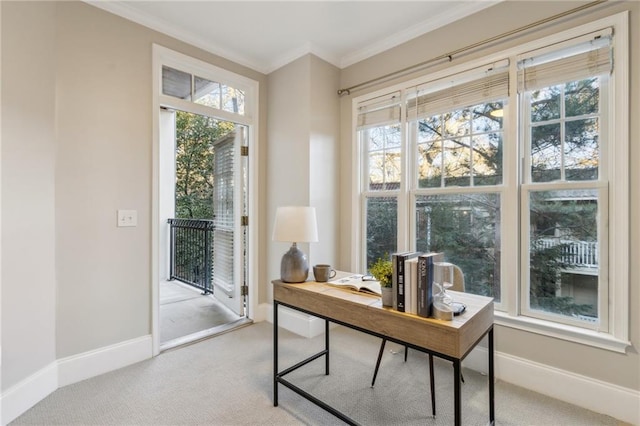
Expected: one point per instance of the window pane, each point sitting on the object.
(430, 129)
(461, 148)
(232, 100)
(545, 153)
(384, 158)
(207, 92)
(545, 104)
(457, 123)
(581, 149)
(456, 161)
(429, 147)
(429, 172)
(382, 228)
(487, 159)
(176, 83)
(564, 253)
(465, 227)
(217, 95)
(488, 117)
(582, 97)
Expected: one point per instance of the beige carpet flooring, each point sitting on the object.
(184, 311)
(228, 380)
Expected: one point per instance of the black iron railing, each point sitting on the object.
(191, 252)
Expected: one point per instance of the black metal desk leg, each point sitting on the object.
(375, 372)
(457, 390)
(492, 411)
(432, 386)
(275, 353)
(326, 345)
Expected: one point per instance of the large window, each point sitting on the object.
(564, 98)
(511, 168)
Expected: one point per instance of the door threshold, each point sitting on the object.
(204, 334)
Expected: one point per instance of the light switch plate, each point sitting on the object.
(127, 218)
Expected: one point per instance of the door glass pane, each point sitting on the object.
(176, 83)
(466, 228)
(382, 228)
(563, 270)
(224, 209)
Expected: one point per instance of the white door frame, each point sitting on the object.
(163, 56)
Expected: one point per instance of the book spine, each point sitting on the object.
(412, 289)
(401, 283)
(429, 286)
(423, 307)
(394, 280)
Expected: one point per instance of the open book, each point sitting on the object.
(355, 283)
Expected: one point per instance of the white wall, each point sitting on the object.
(103, 164)
(324, 167)
(76, 147)
(302, 159)
(28, 191)
(288, 154)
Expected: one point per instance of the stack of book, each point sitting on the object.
(412, 282)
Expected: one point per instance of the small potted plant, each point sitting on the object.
(382, 270)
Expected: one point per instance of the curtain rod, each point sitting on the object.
(449, 56)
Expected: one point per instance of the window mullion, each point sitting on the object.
(404, 222)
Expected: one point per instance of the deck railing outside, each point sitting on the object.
(191, 252)
(581, 254)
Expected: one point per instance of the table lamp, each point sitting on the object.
(295, 224)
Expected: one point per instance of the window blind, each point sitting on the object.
(482, 85)
(380, 111)
(571, 63)
(223, 207)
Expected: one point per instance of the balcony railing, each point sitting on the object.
(191, 252)
(581, 254)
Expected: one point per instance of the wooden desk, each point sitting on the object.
(450, 340)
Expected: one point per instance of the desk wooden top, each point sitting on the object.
(453, 338)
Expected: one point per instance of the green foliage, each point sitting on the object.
(382, 270)
(382, 227)
(464, 229)
(195, 135)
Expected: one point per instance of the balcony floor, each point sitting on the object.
(187, 316)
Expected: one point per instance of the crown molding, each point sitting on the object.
(463, 10)
(160, 25)
(125, 11)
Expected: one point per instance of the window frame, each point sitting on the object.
(616, 159)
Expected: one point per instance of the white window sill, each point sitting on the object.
(564, 332)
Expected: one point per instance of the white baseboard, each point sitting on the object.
(66, 371)
(262, 313)
(28, 392)
(586, 392)
(297, 322)
(93, 363)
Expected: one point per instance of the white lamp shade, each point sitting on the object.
(295, 224)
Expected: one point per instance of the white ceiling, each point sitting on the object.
(265, 35)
